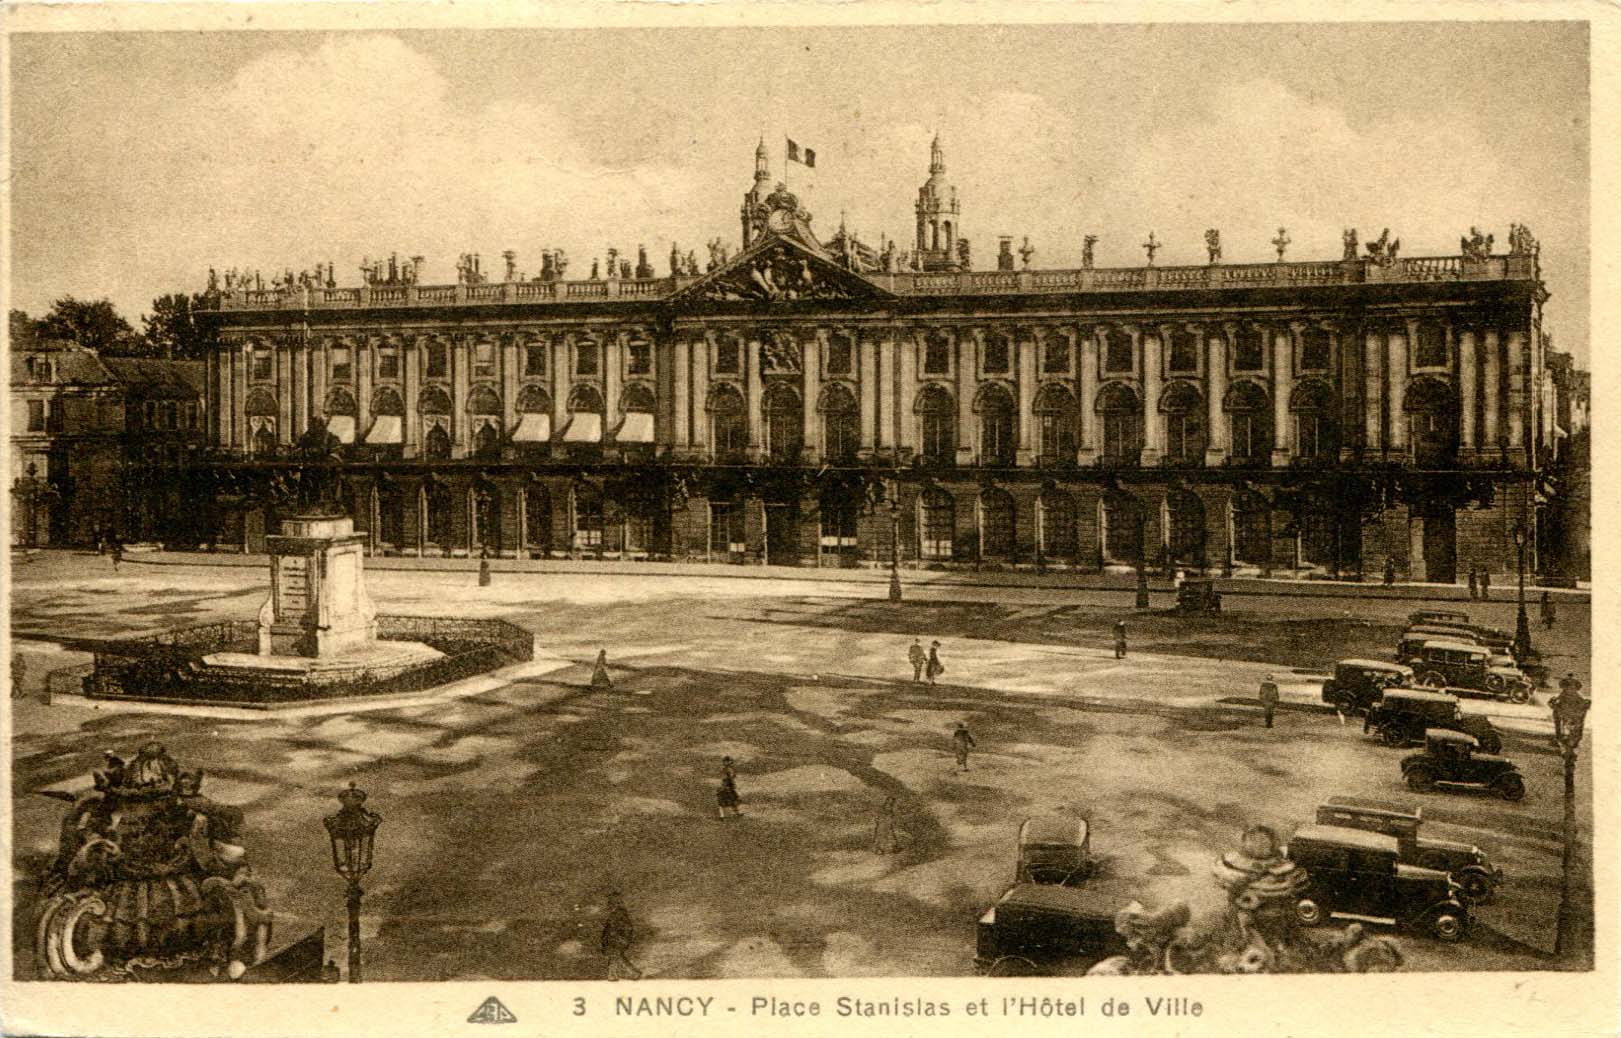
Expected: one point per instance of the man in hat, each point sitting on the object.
(935, 667)
(618, 934)
(963, 741)
(919, 660)
(1120, 639)
(1269, 699)
(1568, 685)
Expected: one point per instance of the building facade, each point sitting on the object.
(802, 403)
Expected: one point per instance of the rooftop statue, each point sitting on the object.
(1212, 244)
(1383, 251)
(1348, 240)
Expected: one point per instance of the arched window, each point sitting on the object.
(587, 517)
(387, 401)
(839, 512)
(1186, 536)
(260, 404)
(1252, 529)
(1183, 407)
(584, 399)
(440, 503)
(1055, 425)
(996, 524)
(433, 400)
(437, 443)
(483, 401)
(1316, 433)
(937, 414)
(264, 439)
(534, 400)
(636, 397)
(1121, 413)
(1056, 526)
(486, 439)
(998, 426)
(487, 515)
(1122, 529)
(784, 416)
(1432, 421)
(841, 425)
(727, 535)
(937, 522)
(1249, 423)
(729, 429)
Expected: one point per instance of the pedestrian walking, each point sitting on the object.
(1120, 639)
(885, 839)
(1390, 572)
(484, 567)
(1269, 699)
(963, 741)
(1474, 584)
(1568, 685)
(935, 667)
(1485, 583)
(600, 681)
(1549, 617)
(919, 659)
(118, 553)
(726, 798)
(618, 934)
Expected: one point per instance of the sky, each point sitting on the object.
(139, 160)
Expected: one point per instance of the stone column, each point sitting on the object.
(460, 366)
(701, 352)
(965, 351)
(1216, 445)
(1373, 389)
(612, 360)
(1028, 347)
(298, 357)
(905, 344)
(811, 365)
(364, 358)
(1282, 386)
(867, 367)
(751, 392)
(285, 391)
(681, 392)
(560, 382)
(1396, 364)
(1090, 347)
(1466, 391)
(1492, 436)
(1519, 397)
(511, 371)
(1147, 347)
(411, 357)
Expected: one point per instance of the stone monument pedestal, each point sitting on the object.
(318, 606)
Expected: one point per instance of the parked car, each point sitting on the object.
(1054, 849)
(1357, 684)
(1477, 878)
(1198, 596)
(1453, 664)
(1424, 616)
(1403, 715)
(1452, 759)
(1500, 647)
(1042, 928)
(1357, 874)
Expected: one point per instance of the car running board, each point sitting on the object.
(1381, 920)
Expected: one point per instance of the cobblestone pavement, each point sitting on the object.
(511, 807)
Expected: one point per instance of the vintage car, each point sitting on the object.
(1357, 684)
(1453, 664)
(1198, 596)
(1403, 715)
(1424, 616)
(1467, 864)
(1500, 649)
(1044, 928)
(1450, 759)
(1356, 874)
(1054, 849)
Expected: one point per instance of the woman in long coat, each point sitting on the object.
(600, 681)
(726, 797)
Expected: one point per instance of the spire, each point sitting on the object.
(762, 163)
(937, 158)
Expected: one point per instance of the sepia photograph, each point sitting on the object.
(680, 503)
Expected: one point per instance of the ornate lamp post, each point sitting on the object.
(31, 495)
(895, 543)
(351, 830)
(1571, 935)
(1522, 623)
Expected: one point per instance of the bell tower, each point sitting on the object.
(940, 245)
(754, 207)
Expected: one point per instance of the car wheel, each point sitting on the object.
(1519, 694)
(1308, 911)
(1447, 927)
(1476, 887)
(1420, 779)
(1014, 966)
(1433, 679)
(1393, 735)
(1492, 743)
(1494, 682)
(1510, 787)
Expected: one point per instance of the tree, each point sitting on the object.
(22, 329)
(173, 330)
(93, 324)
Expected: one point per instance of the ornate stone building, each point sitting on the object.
(809, 404)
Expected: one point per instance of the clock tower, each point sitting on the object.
(940, 245)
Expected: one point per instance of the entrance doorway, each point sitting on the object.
(781, 535)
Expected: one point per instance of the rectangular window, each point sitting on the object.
(1184, 357)
(342, 367)
(170, 415)
(388, 363)
(1314, 350)
(149, 414)
(534, 359)
(997, 348)
(640, 361)
(262, 366)
(438, 360)
(726, 528)
(586, 354)
(484, 359)
(1055, 356)
(36, 416)
(839, 360)
(937, 356)
(1117, 358)
(728, 356)
(191, 415)
(1250, 351)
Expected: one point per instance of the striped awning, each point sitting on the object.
(586, 427)
(341, 426)
(636, 428)
(385, 428)
(533, 427)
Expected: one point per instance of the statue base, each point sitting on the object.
(318, 606)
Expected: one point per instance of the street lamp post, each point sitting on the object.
(1522, 623)
(1571, 935)
(895, 544)
(351, 831)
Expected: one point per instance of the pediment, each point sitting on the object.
(779, 269)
